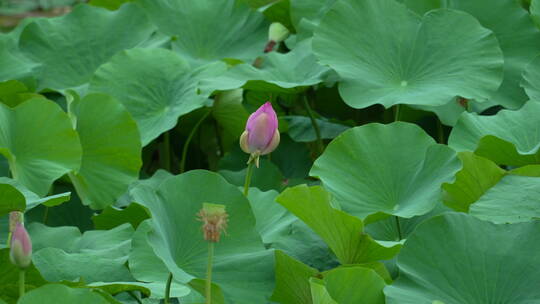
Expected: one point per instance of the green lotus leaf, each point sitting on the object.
(319, 294)
(70, 213)
(229, 112)
(112, 217)
(505, 18)
(406, 59)
(385, 230)
(509, 138)
(292, 72)
(307, 14)
(61, 294)
(9, 278)
(11, 199)
(156, 86)
(534, 9)
(39, 143)
(514, 199)
(397, 169)
(531, 79)
(342, 232)
(147, 267)
(303, 244)
(292, 280)
(83, 40)
(15, 196)
(272, 220)
(14, 64)
(111, 150)
(443, 262)
(351, 285)
(199, 285)
(266, 177)
(300, 128)
(62, 253)
(475, 178)
(178, 241)
(448, 113)
(224, 29)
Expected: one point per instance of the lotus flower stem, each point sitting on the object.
(188, 140)
(168, 289)
(208, 288)
(249, 173)
(21, 282)
(320, 145)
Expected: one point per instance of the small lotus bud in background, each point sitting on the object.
(20, 253)
(261, 135)
(214, 218)
(15, 217)
(276, 34)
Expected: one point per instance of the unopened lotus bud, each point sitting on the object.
(214, 218)
(261, 135)
(20, 253)
(276, 34)
(15, 217)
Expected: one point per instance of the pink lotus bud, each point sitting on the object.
(20, 252)
(214, 218)
(261, 135)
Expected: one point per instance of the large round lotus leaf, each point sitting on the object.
(145, 266)
(111, 150)
(178, 240)
(61, 294)
(208, 30)
(509, 138)
(37, 139)
(514, 199)
(456, 259)
(70, 48)
(397, 169)
(531, 79)
(288, 73)
(387, 55)
(62, 253)
(155, 85)
(505, 18)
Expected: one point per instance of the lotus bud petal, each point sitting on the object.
(276, 34)
(214, 218)
(20, 253)
(261, 135)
